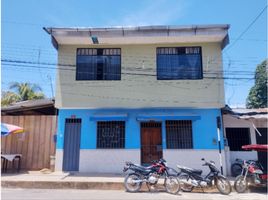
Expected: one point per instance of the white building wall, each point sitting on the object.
(233, 122)
(192, 158)
(113, 160)
(59, 160)
(107, 160)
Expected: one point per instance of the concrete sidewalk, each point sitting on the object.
(60, 180)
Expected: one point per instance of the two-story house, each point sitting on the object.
(138, 94)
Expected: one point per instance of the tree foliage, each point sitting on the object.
(8, 98)
(257, 97)
(21, 92)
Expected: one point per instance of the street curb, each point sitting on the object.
(83, 185)
(63, 185)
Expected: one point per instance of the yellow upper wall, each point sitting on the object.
(137, 91)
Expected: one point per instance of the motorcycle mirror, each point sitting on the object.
(203, 159)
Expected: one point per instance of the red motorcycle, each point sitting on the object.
(150, 175)
(252, 172)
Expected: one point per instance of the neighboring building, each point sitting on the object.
(138, 94)
(242, 127)
(37, 144)
(31, 107)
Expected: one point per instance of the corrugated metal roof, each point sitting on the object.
(139, 34)
(244, 113)
(29, 104)
(245, 110)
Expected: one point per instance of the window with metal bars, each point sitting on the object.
(237, 137)
(176, 63)
(98, 64)
(73, 120)
(179, 134)
(111, 135)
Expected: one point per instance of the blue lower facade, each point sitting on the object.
(204, 125)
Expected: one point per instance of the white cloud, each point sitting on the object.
(159, 12)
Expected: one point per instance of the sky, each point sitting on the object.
(23, 39)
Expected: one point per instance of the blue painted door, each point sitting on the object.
(71, 151)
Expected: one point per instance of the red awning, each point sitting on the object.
(256, 147)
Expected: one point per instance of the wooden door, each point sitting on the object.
(151, 142)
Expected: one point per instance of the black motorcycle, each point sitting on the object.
(190, 178)
(150, 175)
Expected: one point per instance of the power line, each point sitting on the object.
(73, 67)
(125, 73)
(247, 28)
(18, 48)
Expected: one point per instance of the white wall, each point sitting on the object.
(107, 161)
(59, 160)
(233, 122)
(192, 158)
(113, 160)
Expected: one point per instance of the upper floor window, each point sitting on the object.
(175, 63)
(98, 64)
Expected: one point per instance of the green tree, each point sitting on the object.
(257, 97)
(8, 98)
(21, 92)
(27, 91)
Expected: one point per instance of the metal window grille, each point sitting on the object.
(179, 134)
(98, 64)
(73, 120)
(151, 125)
(237, 137)
(111, 135)
(176, 63)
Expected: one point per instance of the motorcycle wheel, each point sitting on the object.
(236, 169)
(184, 186)
(240, 184)
(172, 184)
(131, 186)
(223, 185)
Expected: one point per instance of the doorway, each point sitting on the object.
(151, 142)
(71, 151)
(262, 156)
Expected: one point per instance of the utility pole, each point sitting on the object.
(219, 140)
(51, 84)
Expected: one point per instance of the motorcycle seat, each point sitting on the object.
(196, 171)
(142, 168)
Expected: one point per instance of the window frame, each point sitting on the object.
(249, 138)
(120, 58)
(124, 135)
(170, 79)
(168, 146)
